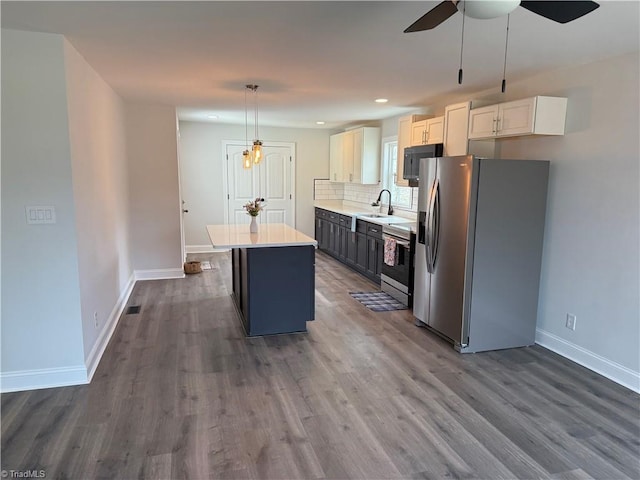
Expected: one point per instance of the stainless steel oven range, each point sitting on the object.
(397, 279)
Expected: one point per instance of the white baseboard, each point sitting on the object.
(43, 378)
(101, 343)
(204, 249)
(159, 274)
(605, 367)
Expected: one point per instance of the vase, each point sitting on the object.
(253, 226)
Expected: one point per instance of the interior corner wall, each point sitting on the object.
(100, 187)
(201, 163)
(591, 256)
(154, 197)
(41, 325)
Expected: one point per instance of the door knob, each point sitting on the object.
(185, 211)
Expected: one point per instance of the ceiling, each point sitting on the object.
(313, 60)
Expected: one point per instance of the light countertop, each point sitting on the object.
(337, 206)
(269, 235)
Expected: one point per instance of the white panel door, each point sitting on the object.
(275, 185)
(241, 184)
(271, 180)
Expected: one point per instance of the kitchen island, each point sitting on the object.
(273, 276)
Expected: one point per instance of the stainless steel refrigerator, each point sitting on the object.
(479, 250)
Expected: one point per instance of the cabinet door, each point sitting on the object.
(418, 133)
(336, 154)
(435, 130)
(352, 248)
(348, 156)
(369, 145)
(516, 118)
(326, 235)
(372, 255)
(343, 237)
(361, 252)
(354, 147)
(456, 126)
(318, 229)
(483, 122)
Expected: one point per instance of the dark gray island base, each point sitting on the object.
(273, 276)
(274, 288)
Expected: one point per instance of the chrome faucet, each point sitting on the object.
(390, 211)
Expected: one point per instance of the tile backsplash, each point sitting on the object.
(352, 192)
(323, 189)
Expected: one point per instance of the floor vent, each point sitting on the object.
(132, 310)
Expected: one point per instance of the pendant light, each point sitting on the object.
(257, 144)
(246, 154)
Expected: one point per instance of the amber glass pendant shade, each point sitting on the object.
(257, 152)
(246, 159)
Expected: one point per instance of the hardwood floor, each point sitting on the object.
(182, 393)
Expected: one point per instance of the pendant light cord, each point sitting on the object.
(255, 97)
(246, 121)
(506, 46)
(464, 8)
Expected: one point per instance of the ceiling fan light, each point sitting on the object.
(484, 9)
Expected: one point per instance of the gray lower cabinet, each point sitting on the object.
(361, 250)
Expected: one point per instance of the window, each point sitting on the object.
(402, 196)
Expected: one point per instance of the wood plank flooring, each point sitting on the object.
(182, 393)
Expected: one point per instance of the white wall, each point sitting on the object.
(41, 324)
(201, 160)
(154, 197)
(100, 190)
(591, 261)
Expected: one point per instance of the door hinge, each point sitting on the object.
(228, 197)
(290, 197)
(290, 159)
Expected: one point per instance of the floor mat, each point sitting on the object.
(378, 301)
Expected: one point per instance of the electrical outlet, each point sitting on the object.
(571, 321)
(95, 318)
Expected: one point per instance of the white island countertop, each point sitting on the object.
(269, 235)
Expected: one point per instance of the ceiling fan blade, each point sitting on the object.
(560, 11)
(433, 17)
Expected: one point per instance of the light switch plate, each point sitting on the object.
(40, 214)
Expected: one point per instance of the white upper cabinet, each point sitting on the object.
(456, 125)
(530, 116)
(354, 156)
(427, 132)
(336, 158)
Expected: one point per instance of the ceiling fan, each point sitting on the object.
(558, 11)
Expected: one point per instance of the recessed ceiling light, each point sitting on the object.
(381, 100)
(320, 122)
(212, 117)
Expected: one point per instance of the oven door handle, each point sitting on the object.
(398, 242)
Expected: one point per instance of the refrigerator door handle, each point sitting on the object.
(435, 229)
(430, 240)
